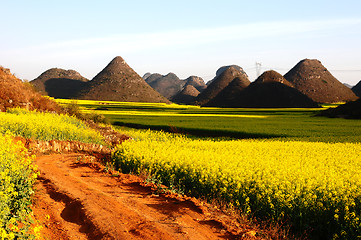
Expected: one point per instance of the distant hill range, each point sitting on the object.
(306, 84)
(170, 85)
(357, 89)
(270, 90)
(224, 76)
(59, 83)
(116, 82)
(311, 78)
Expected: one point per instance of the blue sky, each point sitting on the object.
(184, 37)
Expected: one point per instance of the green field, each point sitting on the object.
(296, 124)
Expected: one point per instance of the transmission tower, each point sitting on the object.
(258, 68)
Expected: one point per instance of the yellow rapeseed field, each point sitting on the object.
(46, 126)
(314, 186)
(17, 175)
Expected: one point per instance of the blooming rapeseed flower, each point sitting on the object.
(307, 183)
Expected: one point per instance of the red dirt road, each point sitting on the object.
(76, 199)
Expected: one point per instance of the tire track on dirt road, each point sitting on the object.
(79, 201)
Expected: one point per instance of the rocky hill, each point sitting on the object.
(146, 75)
(221, 70)
(227, 75)
(170, 85)
(312, 79)
(167, 85)
(272, 76)
(196, 82)
(59, 83)
(119, 82)
(224, 68)
(357, 89)
(270, 90)
(228, 96)
(186, 96)
(15, 93)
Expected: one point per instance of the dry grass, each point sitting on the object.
(15, 93)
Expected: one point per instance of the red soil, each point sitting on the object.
(76, 198)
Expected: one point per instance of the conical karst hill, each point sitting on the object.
(227, 97)
(270, 90)
(357, 89)
(151, 77)
(224, 68)
(272, 76)
(311, 78)
(186, 96)
(196, 82)
(219, 83)
(59, 83)
(168, 85)
(119, 82)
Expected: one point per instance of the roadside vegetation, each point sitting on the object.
(46, 126)
(17, 171)
(17, 176)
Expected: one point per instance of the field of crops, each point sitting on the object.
(296, 124)
(46, 126)
(289, 167)
(17, 175)
(315, 186)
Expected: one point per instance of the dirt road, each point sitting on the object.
(76, 199)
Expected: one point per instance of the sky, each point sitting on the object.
(183, 37)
